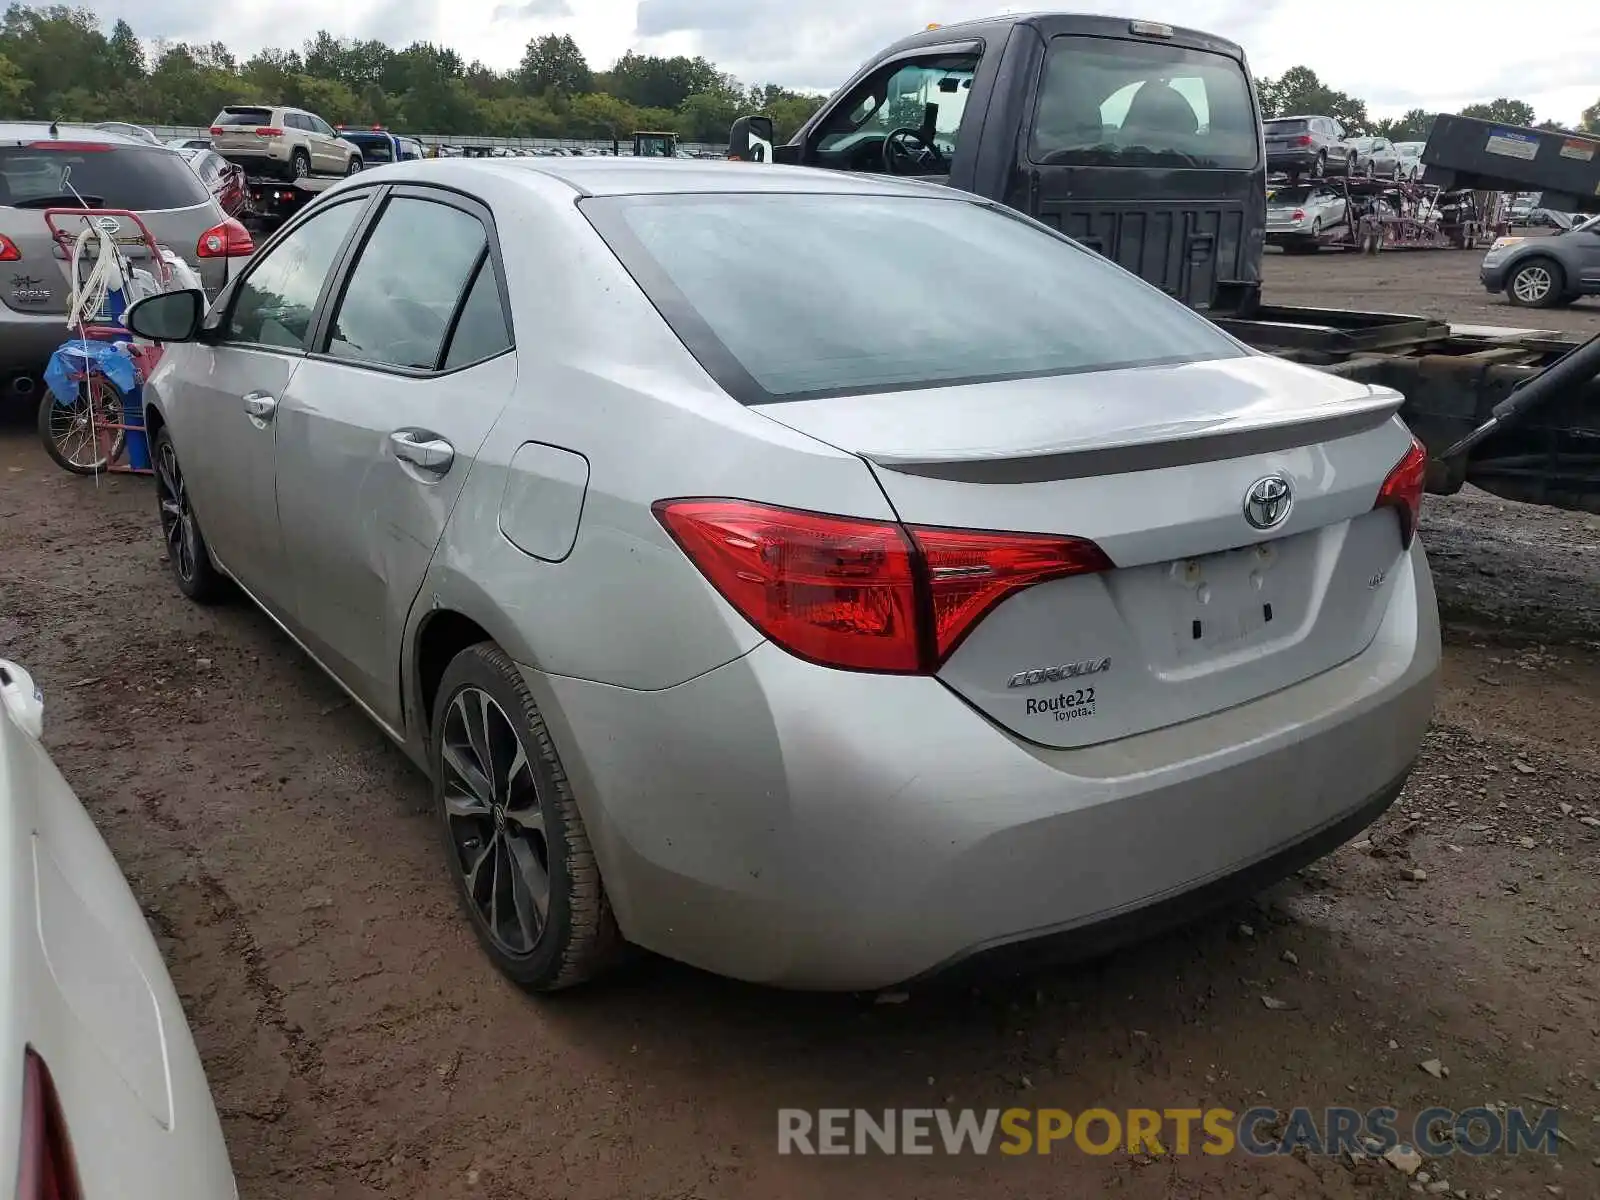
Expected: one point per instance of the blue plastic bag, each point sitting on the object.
(81, 357)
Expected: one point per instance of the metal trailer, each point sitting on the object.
(1382, 214)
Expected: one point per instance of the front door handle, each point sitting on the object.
(421, 449)
(260, 405)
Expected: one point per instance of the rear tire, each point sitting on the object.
(299, 165)
(355, 164)
(523, 843)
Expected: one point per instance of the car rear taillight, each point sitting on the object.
(216, 129)
(863, 595)
(8, 250)
(268, 131)
(46, 1170)
(1403, 489)
(227, 240)
(1303, 140)
(1299, 214)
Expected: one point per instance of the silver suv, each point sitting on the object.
(287, 142)
(45, 167)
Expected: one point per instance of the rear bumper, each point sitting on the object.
(28, 339)
(1292, 160)
(785, 824)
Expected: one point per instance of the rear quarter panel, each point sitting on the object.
(600, 375)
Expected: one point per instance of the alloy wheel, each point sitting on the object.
(1532, 284)
(177, 517)
(496, 820)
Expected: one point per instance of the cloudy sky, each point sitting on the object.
(1395, 54)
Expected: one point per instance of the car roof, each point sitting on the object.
(39, 131)
(605, 175)
(1053, 24)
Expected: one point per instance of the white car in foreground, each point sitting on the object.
(101, 1089)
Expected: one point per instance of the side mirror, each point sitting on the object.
(750, 139)
(168, 316)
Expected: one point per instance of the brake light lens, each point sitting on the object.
(227, 240)
(863, 595)
(1299, 214)
(47, 1170)
(268, 131)
(8, 250)
(216, 129)
(70, 147)
(1303, 140)
(1403, 490)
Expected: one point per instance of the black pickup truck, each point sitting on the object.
(1144, 141)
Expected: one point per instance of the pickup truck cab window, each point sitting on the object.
(1105, 102)
(903, 119)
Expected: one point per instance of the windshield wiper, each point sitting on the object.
(65, 200)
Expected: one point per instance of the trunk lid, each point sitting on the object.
(1203, 611)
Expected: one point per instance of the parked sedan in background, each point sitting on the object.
(1306, 146)
(1410, 155)
(746, 601)
(1545, 271)
(226, 180)
(1374, 156)
(44, 166)
(1298, 214)
(104, 1093)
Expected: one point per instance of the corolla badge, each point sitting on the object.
(1267, 502)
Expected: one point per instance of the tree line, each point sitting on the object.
(1298, 91)
(58, 63)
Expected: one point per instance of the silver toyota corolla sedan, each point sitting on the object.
(817, 578)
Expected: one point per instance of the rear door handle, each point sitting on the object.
(260, 405)
(420, 449)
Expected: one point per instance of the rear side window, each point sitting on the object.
(1107, 102)
(788, 296)
(244, 116)
(406, 284)
(141, 178)
(482, 330)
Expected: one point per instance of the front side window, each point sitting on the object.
(915, 106)
(792, 296)
(275, 302)
(406, 284)
(1107, 102)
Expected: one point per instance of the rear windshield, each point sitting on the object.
(1104, 102)
(792, 296)
(375, 147)
(245, 116)
(1287, 126)
(142, 178)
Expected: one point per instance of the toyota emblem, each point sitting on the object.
(1267, 502)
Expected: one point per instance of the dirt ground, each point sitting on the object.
(360, 1046)
(1430, 283)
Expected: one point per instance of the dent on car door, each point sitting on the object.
(223, 415)
(381, 426)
